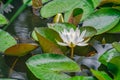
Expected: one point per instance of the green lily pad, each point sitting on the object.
(6, 40)
(115, 29)
(76, 16)
(96, 3)
(34, 36)
(86, 5)
(51, 66)
(47, 39)
(83, 78)
(108, 55)
(116, 45)
(100, 75)
(90, 31)
(3, 20)
(67, 7)
(58, 27)
(103, 19)
(114, 67)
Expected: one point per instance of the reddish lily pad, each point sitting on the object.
(20, 49)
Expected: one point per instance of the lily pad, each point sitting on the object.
(96, 3)
(115, 29)
(90, 31)
(66, 6)
(51, 66)
(103, 19)
(47, 39)
(58, 27)
(34, 36)
(100, 75)
(3, 20)
(83, 78)
(114, 67)
(76, 16)
(20, 49)
(108, 55)
(116, 45)
(6, 40)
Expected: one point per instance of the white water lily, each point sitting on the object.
(72, 38)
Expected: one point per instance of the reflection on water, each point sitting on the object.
(25, 23)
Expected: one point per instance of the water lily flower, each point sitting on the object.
(72, 38)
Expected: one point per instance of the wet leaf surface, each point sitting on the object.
(52, 66)
(114, 67)
(6, 40)
(101, 75)
(3, 20)
(103, 19)
(115, 29)
(108, 55)
(64, 7)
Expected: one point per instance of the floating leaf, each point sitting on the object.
(114, 67)
(6, 40)
(51, 66)
(76, 16)
(47, 39)
(34, 36)
(96, 3)
(90, 31)
(67, 7)
(83, 78)
(58, 27)
(85, 5)
(115, 29)
(103, 19)
(100, 75)
(108, 55)
(3, 20)
(20, 49)
(116, 45)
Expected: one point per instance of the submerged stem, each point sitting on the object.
(16, 14)
(13, 65)
(72, 52)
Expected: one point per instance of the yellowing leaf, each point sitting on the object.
(20, 49)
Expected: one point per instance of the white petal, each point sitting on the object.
(64, 38)
(81, 36)
(82, 44)
(83, 33)
(62, 44)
